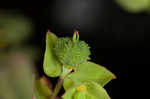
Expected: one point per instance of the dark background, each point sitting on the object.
(119, 40)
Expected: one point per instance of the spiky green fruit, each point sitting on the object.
(72, 52)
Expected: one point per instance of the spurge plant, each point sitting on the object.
(68, 58)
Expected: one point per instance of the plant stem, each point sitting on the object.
(60, 82)
(57, 88)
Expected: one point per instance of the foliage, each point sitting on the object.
(52, 66)
(67, 58)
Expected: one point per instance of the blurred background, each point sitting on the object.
(116, 30)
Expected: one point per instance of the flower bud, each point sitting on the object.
(72, 52)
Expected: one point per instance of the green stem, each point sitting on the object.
(60, 82)
(57, 88)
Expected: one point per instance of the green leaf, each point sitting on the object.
(79, 95)
(95, 91)
(134, 6)
(69, 93)
(92, 91)
(88, 71)
(52, 66)
(42, 89)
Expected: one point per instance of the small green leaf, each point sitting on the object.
(92, 91)
(52, 66)
(95, 91)
(88, 71)
(42, 89)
